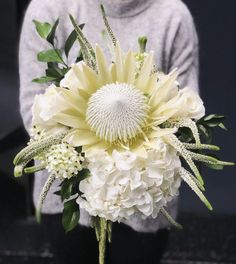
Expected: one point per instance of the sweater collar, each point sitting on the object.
(125, 8)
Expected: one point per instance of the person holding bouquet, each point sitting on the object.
(171, 33)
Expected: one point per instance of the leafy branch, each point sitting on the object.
(56, 65)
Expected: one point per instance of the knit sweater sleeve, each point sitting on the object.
(183, 52)
(31, 44)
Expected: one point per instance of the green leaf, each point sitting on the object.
(185, 134)
(51, 35)
(71, 215)
(52, 55)
(66, 189)
(213, 123)
(222, 126)
(71, 40)
(205, 132)
(213, 116)
(43, 29)
(80, 57)
(57, 193)
(44, 79)
(52, 73)
(83, 174)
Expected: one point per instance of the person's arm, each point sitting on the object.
(183, 53)
(31, 44)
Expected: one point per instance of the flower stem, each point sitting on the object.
(102, 230)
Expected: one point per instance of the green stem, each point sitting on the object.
(102, 240)
(63, 62)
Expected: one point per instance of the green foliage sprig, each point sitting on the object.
(57, 66)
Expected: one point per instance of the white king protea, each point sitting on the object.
(111, 107)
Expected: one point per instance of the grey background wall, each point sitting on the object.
(216, 25)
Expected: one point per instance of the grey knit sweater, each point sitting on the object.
(171, 34)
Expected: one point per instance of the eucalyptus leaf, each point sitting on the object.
(52, 55)
(51, 35)
(71, 215)
(43, 29)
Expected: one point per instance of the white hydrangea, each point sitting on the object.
(123, 184)
(63, 161)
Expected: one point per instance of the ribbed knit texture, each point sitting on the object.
(171, 34)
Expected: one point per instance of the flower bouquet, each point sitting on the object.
(119, 134)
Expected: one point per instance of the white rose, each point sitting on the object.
(46, 106)
(70, 80)
(190, 105)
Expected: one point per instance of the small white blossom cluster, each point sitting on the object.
(63, 161)
(123, 184)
